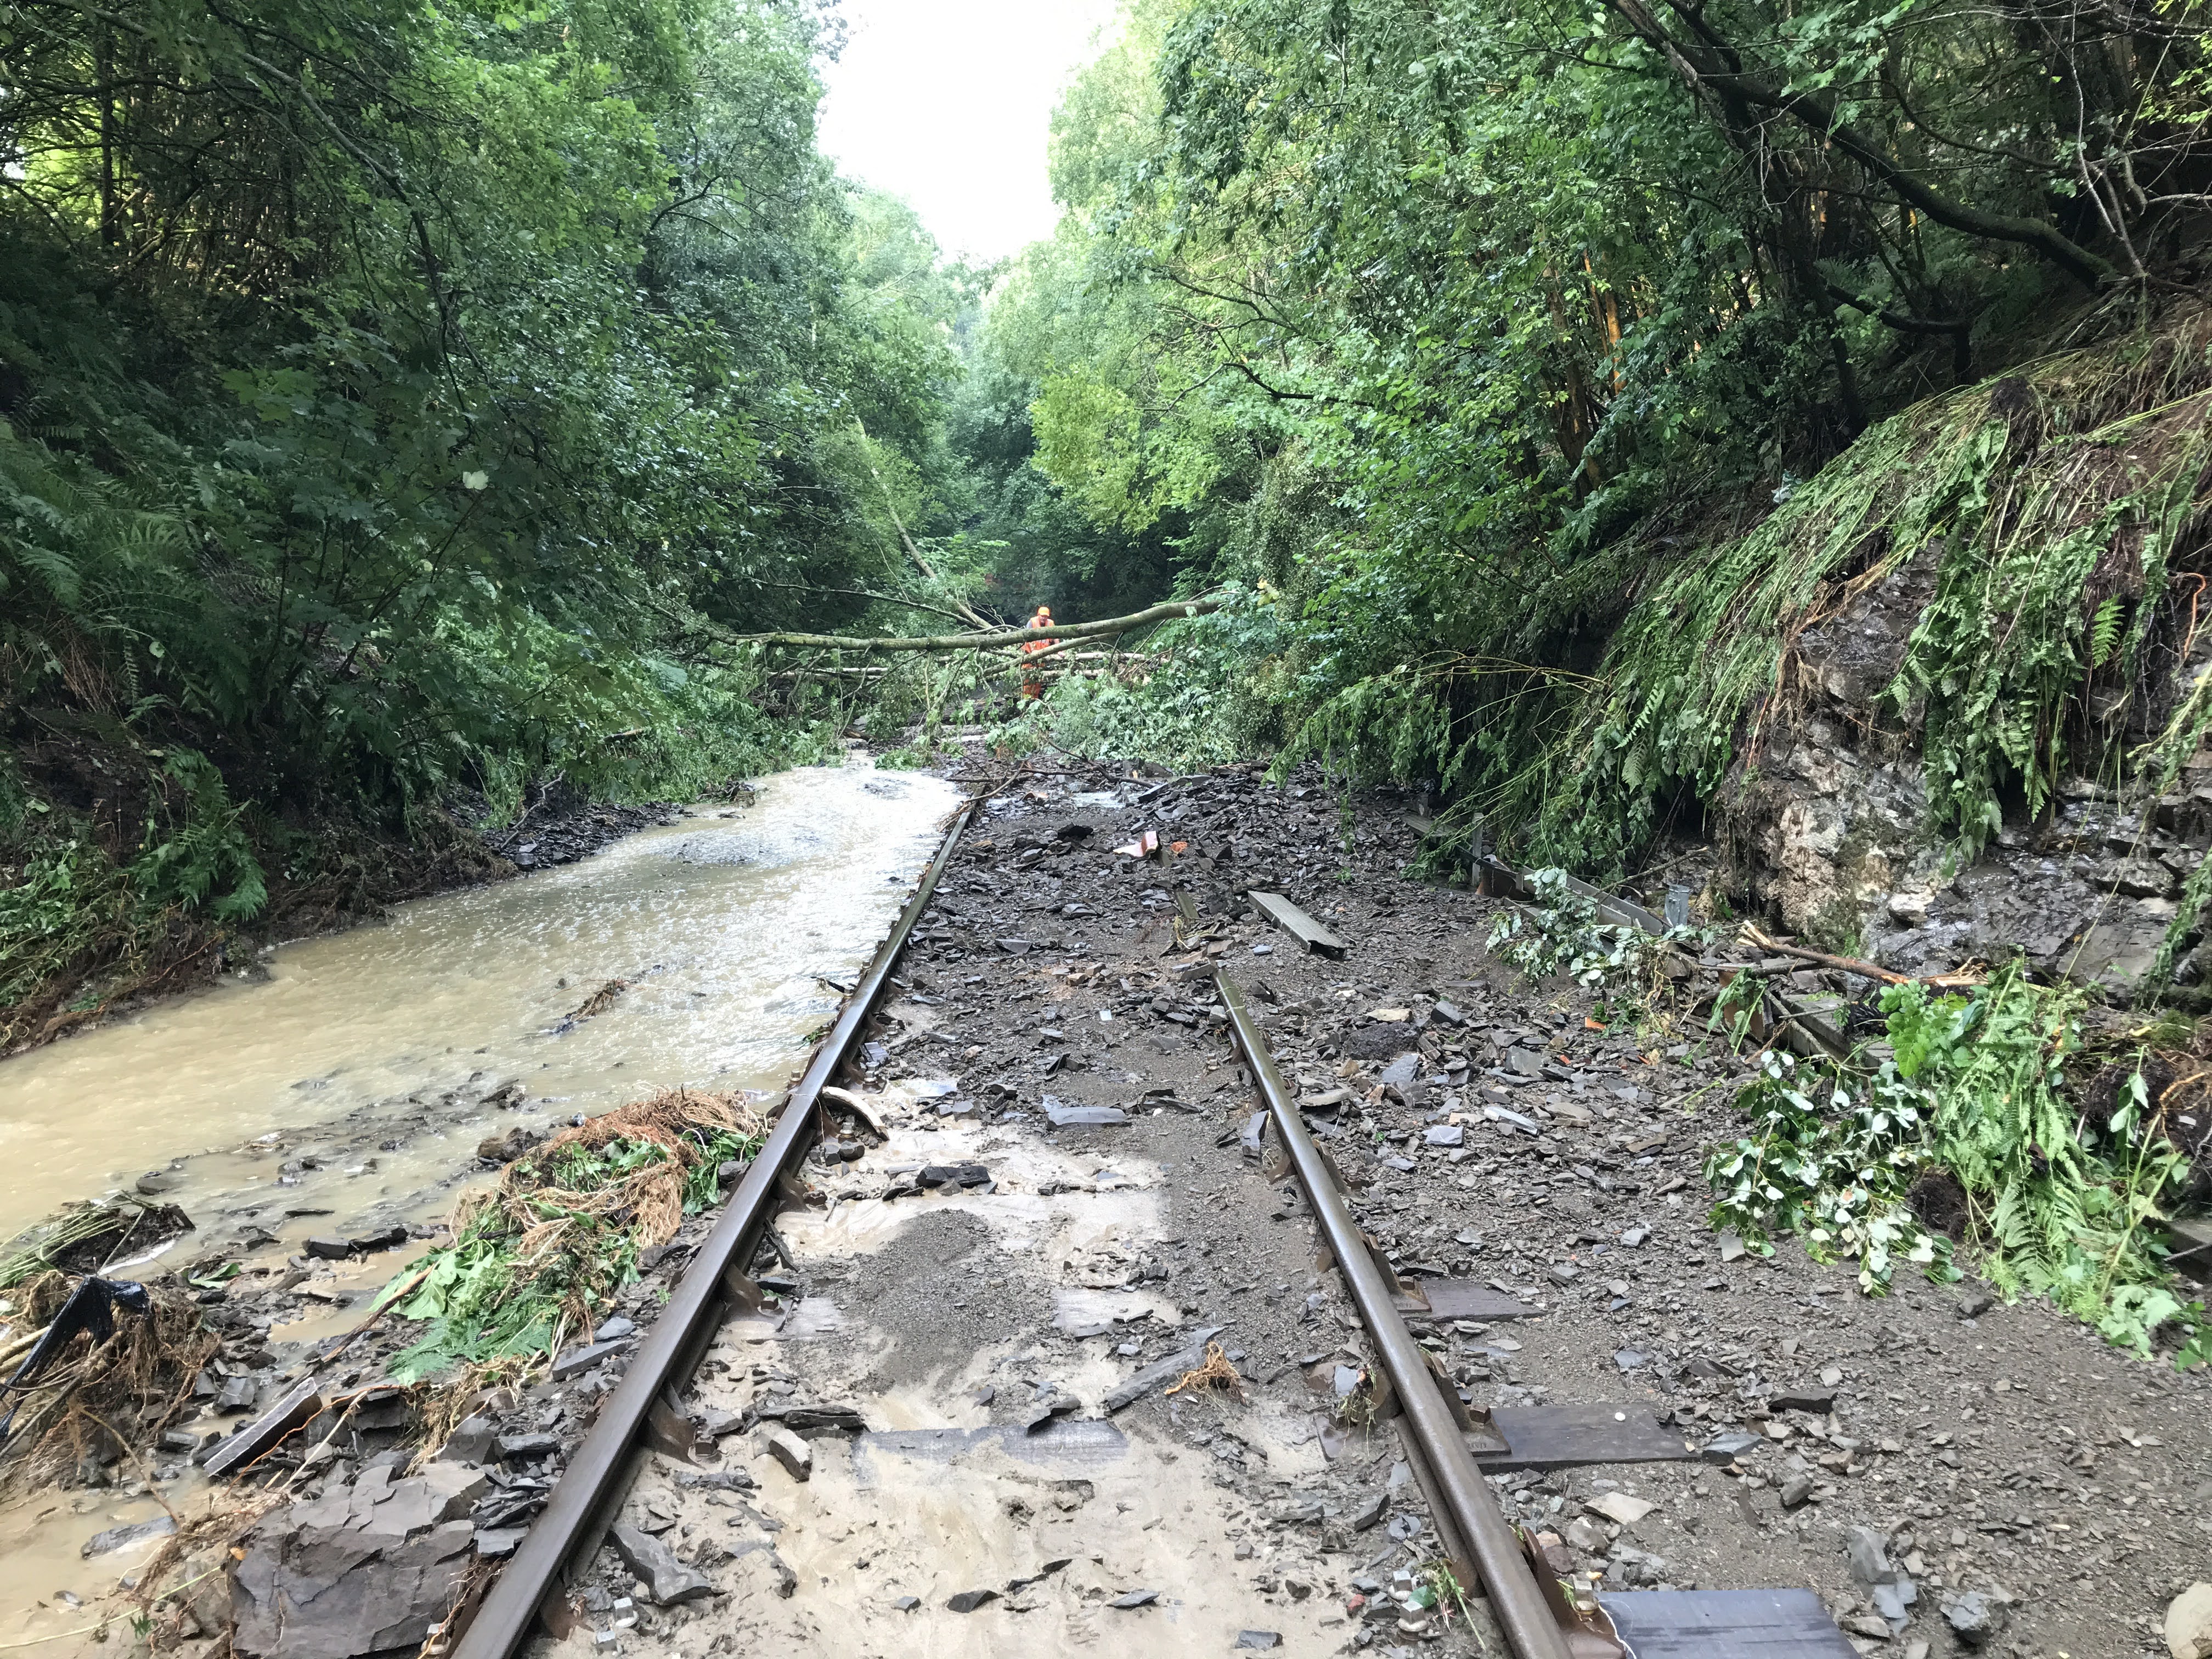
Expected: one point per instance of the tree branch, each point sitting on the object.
(1960, 329)
(1700, 72)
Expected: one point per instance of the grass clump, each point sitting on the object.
(562, 1233)
(2058, 1200)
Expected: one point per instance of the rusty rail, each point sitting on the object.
(1471, 1509)
(585, 1499)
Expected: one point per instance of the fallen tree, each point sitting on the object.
(1175, 610)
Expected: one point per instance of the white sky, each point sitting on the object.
(948, 103)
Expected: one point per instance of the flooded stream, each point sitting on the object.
(732, 928)
(349, 1078)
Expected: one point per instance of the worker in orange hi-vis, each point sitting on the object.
(1032, 682)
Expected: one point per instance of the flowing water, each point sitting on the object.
(345, 1078)
(732, 927)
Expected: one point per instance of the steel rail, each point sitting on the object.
(1515, 1598)
(584, 1498)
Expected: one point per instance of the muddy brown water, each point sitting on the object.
(721, 923)
(368, 1054)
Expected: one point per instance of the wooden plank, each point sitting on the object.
(1461, 1298)
(1297, 923)
(1563, 1437)
(1757, 1624)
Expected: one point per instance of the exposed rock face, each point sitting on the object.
(1829, 815)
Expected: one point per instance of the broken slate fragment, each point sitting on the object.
(1060, 1115)
(1973, 1618)
(471, 1441)
(1443, 1134)
(1045, 1411)
(796, 1456)
(577, 1361)
(513, 1447)
(1259, 1638)
(328, 1249)
(1187, 1359)
(1820, 1401)
(1135, 1598)
(955, 1175)
(306, 1596)
(1726, 1448)
(122, 1538)
(1621, 1507)
(968, 1601)
(667, 1579)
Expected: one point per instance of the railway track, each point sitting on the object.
(576, 1517)
(1508, 1574)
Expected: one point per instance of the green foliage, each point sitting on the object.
(416, 423)
(1186, 707)
(1975, 1089)
(1554, 386)
(1559, 933)
(1833, 1172)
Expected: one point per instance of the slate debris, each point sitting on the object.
(796, 1456)
(123, 1537)
(1162, 1372)
(1062, 1115)
(1973, 1618)
(1572, 1115)
(367, 1567)
(667, 1579)
(579, 1360)
(954, 1175)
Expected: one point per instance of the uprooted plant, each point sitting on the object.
(1561, 932)
(2059, 1201)
(111, 1387)
(562, 1233)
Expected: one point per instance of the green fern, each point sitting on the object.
(2105, 631)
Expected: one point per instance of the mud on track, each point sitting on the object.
(2002, 1451)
